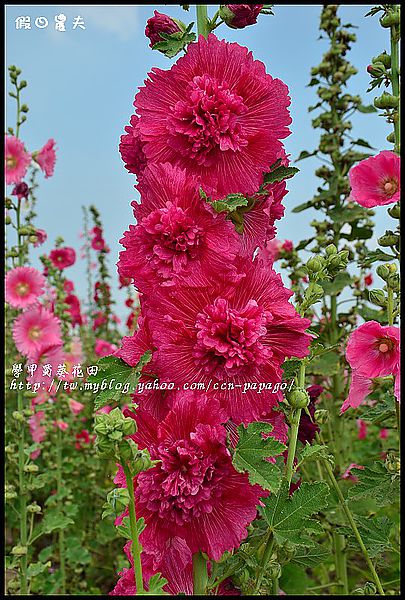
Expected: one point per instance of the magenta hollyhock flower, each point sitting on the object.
(16, 159)
(362, 429)
(158, 24)
(35, 329)
(178, 236)
(270, 251)
(227, 334)
(74, 309)
(24, 285)
(83, 438)
(131, 148)
(194, 492)
(376, 180)
(360, 388)
(383, 433)
(98, 320)
(62, 425)
(216, 113)
(238, 16)
(68, 286)
(37, 431)
(41, 236)
(373, 350)
(288, 246)
(49, 357)
(46, 158)
(62, 257)
(21, 190)
(368, 279)
(104, 348)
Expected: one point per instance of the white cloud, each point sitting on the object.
(119, 20)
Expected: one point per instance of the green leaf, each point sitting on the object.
(289, 517)
(303, 244)
(156, 584)
(326, 364)
(76, 553)
(366, 109)
(376, 255)
(290, 368)
(314, 453)
(305, 205)
(376, 482)
(358, 233)
(310, 557)
(125, 530)
(251, 452)
(279, 174)
(347, 214)
(382, 410)
(46, 553)
(339, 282)
(114, 370)
(229, 204)
(306, 154)
(373, 314)
(51, 522)
(375, 533)
(363, 143)
(35, 569)
(172, 43)
(294, 580)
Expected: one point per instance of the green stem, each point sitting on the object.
(23, 500)
(136, 547)
(339, 543)
(268, 551)
(390, 306)
(17, 130)
(200, 576)
(202, 20)
(352, 524)
(295, 424)
(61, 534)
(395, 79)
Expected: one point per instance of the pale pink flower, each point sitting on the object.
(348, 473)
(360, 388)
(62, 425)
(36, 329)
(46, 158)
(104, 348)
(376, 180)
(16, 159)
(41, 236)
(50, 355)
(75, 406)
(24, 285)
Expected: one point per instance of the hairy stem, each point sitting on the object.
(202, 20)
(61, 534)
(200, 576)
(395, 80)
(136, 547)
(339, 544)
(268, 551)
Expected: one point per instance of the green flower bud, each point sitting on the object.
(101, 429)
(19, 550)
(383, 58)
(298, 398)
(10, 495)
(386, 100)
(7, 220)
(383, 271)
(142, 462)
(394, 211)
(377, 297)
(388, 239)
(31, 468)
(34, 508)
(315, 264)
(129, 426)
(18, 416)
(369, 589)
(331, 249)
(392, 267)
(390, 19)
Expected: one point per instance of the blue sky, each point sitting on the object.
(81, 85)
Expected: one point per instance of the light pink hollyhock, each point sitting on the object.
(216, 113)
(178, 236)
(376, 180)
(37, 431)
(348, 473)
(373, 350)
(62, 257)
(131, 148)
(46, 158)
(226, 334)
(50, 355)
(362, 429)
(360, 388)
(239, 16)
(104, 348)
(75, 406)
(158, 24)
(35, 329)
(16, 159)
(24, 285)
(62, 425)
(194, 492)
(270, 251)
(41, 236)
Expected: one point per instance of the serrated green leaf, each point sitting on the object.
(289, 517)
(35, 569)
(125, 530)
(375, 533)
(376, 255)
(376, 482)
(156, 585)
(115, 370)
(310, 557)
(313, 453)
(251, 452)
(51, 522)
(334, 287)
(347, 214)
(382, 410)
(279, 174)
(290, 368)
(326, 364)
(366, 109)
(230, 204)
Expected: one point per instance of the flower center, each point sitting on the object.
(34, 333)
(171, 238)
(390, 186)
(183, 485)
(11, 162)
(385, 345)
(22, 289)
(229, 341)
(207, 121)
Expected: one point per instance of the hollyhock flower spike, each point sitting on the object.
(16, 159)
(216, 113)
(46, 158)
(178, 236)
(376, 180)
(194, 492)
(24, 285)
(229, 335)
(35, 329)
